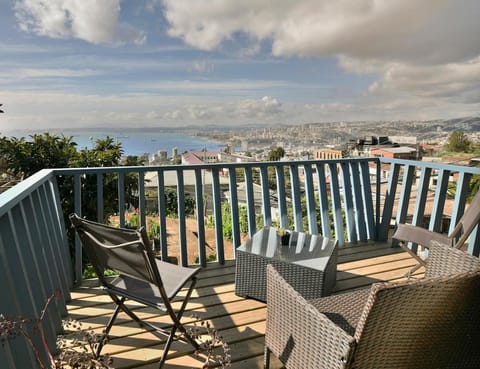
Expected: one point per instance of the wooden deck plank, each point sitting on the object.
(240, 321)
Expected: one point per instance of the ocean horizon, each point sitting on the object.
(134, 142)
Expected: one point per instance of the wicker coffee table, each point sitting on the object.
(308, 262)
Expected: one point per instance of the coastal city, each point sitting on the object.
(401, 139)
(250, 184)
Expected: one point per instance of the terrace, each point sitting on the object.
(357, 201)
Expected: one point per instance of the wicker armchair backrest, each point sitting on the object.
(425, 323)
(443, 260)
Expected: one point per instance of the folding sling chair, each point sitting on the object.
(141, 277)
(406, 233)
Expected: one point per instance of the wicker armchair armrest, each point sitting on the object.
(298, 333)
(419, 235)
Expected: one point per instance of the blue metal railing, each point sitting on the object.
(349, 199)
(415, 182)
(353, 200)
(345, 190)
(34, 262)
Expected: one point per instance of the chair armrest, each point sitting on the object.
(294, 327)
(419, 235)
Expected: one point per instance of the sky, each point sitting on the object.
(174, 63)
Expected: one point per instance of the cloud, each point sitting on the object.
(28, 73)
(93, 21)
(202, 66)
(45, 110)
(248, 110)
(406, 30)
(37, 110)
(423, 48)
(457, 81)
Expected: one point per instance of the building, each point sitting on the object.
(326, 154)
(200, 157)
(402, 152)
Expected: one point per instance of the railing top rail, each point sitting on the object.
(14, 195)
(426, 164)
(184, 167)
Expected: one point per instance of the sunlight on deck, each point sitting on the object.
(240, 321)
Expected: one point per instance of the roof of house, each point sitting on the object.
(396, 150)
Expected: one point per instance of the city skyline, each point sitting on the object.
(81, 63)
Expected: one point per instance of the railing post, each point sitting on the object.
(141, 199)
(234, 207)
(162, 215)
(121, 198)
(77, 185)
(100, 197)
(296, 200)
(389, 201)
(310, 197)
(439, 201)
(217, 209)
(323, 199)
(250, 199)
(348, 202)
(182, 229)
(336, 203)
(266, 206)
(202, 254)
(282, 202)
(404, 200)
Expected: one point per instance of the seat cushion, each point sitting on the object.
(343, 309)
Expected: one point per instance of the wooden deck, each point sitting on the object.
(240, 321)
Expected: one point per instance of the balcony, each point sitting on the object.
(357, 201)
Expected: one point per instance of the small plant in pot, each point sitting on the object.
(284, 236)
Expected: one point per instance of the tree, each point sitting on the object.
(105, 153)
(24, 158)
(458, 142)
(276, 154)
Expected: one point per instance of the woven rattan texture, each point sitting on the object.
(251, 281)
(432, 322)
(298, 334)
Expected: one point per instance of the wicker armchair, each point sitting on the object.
(424, 323)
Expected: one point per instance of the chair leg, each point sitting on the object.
(421, 262)
(266, 357)
(109, 325)
(166, 347)
(178, 316)
(178, 325)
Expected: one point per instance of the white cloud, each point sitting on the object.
(425, 48)
(457, 81)
(89, 20)
(202, 66)
(43, 110)
(20, 73)
(407, 30)
(249, 110)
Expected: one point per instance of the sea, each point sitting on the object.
(136, 142)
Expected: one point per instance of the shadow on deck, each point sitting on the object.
(240, 321)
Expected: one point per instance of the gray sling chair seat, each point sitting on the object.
(428, 323)
(141, 276)
(410, 234)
